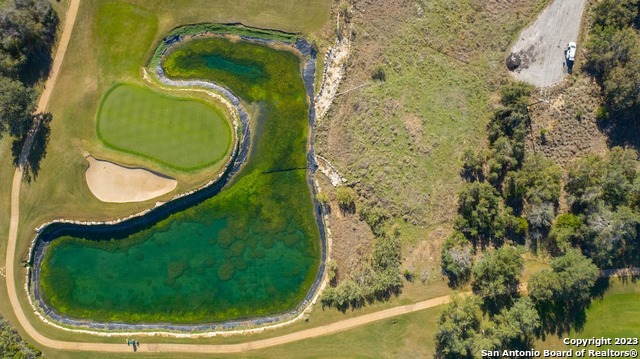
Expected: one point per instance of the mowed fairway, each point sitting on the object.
(180, 133)
(615, 315)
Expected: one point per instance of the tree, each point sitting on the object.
(567, 232)
(496, 278)
(346, 294)
(480, 216)
(616, 13)
(27, 27)
(608, 48)
(540, 217)
(502, 160)
(473, 164)
(385, 277)
(458, 329)
(611, 236)
(516, 94)
(612, 54)
(539, 181)
(17, 104)
(332, 271)
(562, 294)
(456, 259)
(621, 92)
(584, 183)
(620, 176)
(515, 328)
(346, 198)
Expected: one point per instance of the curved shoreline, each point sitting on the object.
(57, 228)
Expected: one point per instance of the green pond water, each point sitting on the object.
(251, 250)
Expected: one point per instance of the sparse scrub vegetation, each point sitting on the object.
(378, 280)
(402, 139)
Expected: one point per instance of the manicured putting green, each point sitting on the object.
(180, 133)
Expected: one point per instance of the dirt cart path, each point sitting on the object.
(540, 47)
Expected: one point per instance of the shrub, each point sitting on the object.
(346, 198)
(602, 114)
(456, 259)
(379, 74)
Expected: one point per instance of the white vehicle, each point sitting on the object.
(570, 52)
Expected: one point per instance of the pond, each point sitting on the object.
(253, 249)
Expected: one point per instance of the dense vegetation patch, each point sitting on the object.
(27, 33)
(12, 345)
(181, 133)
(613, 55)
(509, 203)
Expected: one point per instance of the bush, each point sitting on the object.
(602, 114)
(456, 259)
(496, 277)
(516, 94)
(379, 74)
(12, 346)
(346, 198)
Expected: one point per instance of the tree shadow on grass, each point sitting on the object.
(38, 150)
(562, 317)
(560, 320)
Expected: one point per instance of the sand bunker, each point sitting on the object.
(113, 183)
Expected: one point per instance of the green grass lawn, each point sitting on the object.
(181, 133)
(615, 315)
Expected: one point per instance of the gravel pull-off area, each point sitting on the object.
(538, 56)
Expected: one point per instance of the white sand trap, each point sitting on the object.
(113, 183)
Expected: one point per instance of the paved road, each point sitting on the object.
(541, 45)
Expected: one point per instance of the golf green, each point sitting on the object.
(181, 133)
(252, 249)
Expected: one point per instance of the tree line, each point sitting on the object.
(27, 34)
(508, 205)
